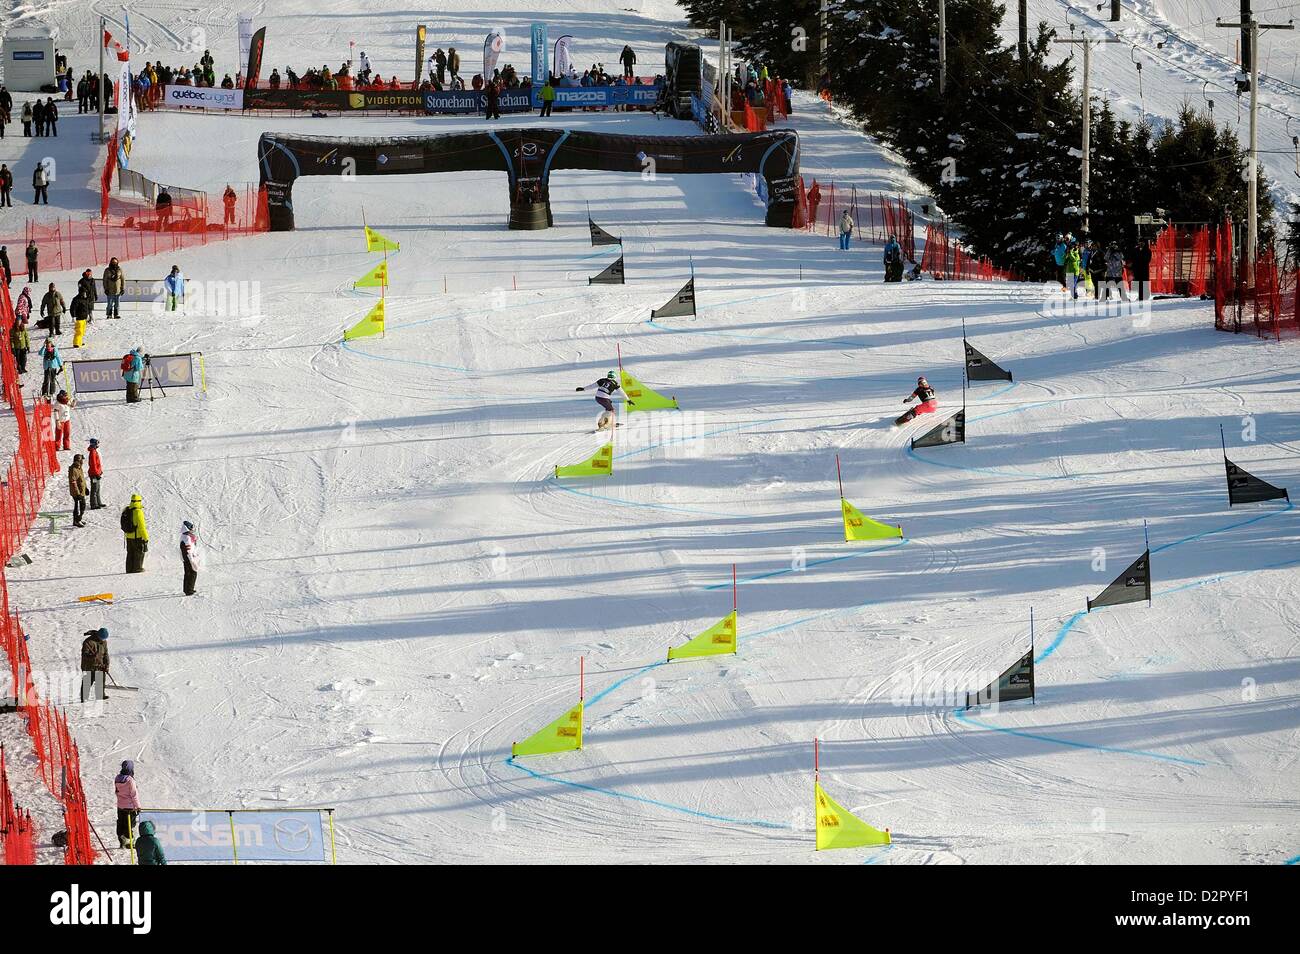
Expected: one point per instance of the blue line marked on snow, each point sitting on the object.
(807, 566)
(1069, 625)
(961, 716)
(612, 793)
(876, 856)
(911, 452)
(1292, 861)
(347, 346)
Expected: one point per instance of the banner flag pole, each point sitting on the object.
(734, 601)
(1032, 695)
(838, 476)
(816, 761)
(582, 678)
(1147, 541)
(1223, 442)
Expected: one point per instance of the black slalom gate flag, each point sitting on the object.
(980, 368)
(680, 305)
(612, 275)
(1131, 586)
(1245, 487)
(600, 237)
(1016, 683)
(951, 431)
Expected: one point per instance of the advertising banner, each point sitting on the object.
(420, 32)
(539, 51)
(245, 38)
(254, 70)
(563, 55)
(223, 836)
(171, 370)
(339, 100)
(208, 98)
(474, 101)
(580, 96)
(493, 45)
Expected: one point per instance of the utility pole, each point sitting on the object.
(99, 80)
(1247, 54)
(943, 47)
(1024, 36)
(1250, 28)
(1087, 43)
(821, 39)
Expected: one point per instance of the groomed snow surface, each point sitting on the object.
(397, 590)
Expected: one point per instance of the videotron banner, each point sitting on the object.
(336, 100)
(170, 370)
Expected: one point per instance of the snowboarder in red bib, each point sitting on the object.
(604, 389)
(929, 402)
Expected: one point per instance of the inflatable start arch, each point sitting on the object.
(528, 157)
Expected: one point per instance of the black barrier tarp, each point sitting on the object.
(681, 305)
(612, 274)
(522, 154)
(599, 236)
(1131, 586)
(980, 368)
(951, 431)
(1245, 487)
(1014, 684)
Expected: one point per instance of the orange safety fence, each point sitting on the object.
(35, 460)
(944, 258)
(876, 217)
(128, 232)
(17, 843)
(1264, 301)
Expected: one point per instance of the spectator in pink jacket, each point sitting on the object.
(128, 802)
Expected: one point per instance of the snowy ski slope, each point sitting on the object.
(397, 590)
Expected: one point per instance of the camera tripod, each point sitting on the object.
(151, 378)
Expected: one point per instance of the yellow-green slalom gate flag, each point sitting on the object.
(642, 398)
(839, 828)
(372, 324)
(562, 735)
(717, 640)
(377, 243)
(858, 527)
(600, 464)
(377, 277)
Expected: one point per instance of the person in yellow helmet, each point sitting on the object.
(137, 534)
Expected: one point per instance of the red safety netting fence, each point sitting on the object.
(944, 258)
(1264, 301)
(128, 232)
(1181, 263)
(34, 460)
(17, 843)
(876, 217)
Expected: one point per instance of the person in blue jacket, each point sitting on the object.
(133, 373)
(174, 284)
(52, 365)
(1058, 254)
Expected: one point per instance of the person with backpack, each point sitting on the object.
(33, 257)
(94, 665)
(136, 533)
(174, 284)
(77, 490)
(132, 373)
(114, 282)
(893, 260)
(148, 849)
(128, 802)
(53, 306)
(846, 230)
(95, 470)
(20, 343)
(51, 364)
(191, 558)
(1115, 273)
(41, 183)
(23, 307)
(61, 411)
